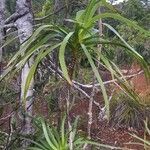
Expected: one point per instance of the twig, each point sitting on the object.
(74, 85)
(69, 120)
(90, 110)
(96, 84)
(9, 138)
(107, 82)
(8, 116)
(90, 114)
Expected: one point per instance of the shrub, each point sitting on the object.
(126, 112)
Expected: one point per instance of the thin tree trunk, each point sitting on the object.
(24, 25)
(2, 20)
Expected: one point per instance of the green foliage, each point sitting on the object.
(10, 6)
(37, 5)
(134, 38)
(80, 43)
(52, 138)
(85, 73)
(3, 137)
(51, 91)
(138, 11)
(127, 112)
(134, 9)
(7, 93)
(46, 8)
(83, 38)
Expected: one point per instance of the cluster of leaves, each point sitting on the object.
(83, 38)
(7, 93)
(3, 139)
(52, 138)
(128, 112)
(138, 11)
(81, 41)
(46, 8)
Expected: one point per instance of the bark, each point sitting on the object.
(58, 4)
(24, 25)
(2, 17)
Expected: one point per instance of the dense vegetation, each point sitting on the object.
(76, 63)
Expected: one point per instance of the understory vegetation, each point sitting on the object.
(75, 75)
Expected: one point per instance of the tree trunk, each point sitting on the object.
(24, 25)
(2, 19)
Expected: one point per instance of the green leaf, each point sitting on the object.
(9, 41)
(63, 139)
(27, 43)
(79, 16)
(57, 136)
(35, 148)
(87, 14)
(62, 57)
(46, 135)
(75, 127)
(120, 18)
(132, 52)
(40, 56)
(36, 143)
(52, 137)
(98, 78)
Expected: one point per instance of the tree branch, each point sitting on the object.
(107, 82)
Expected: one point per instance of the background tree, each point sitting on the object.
(22, 20)
(2, 19)
(24, 26)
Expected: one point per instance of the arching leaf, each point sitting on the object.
(98, 78)
(62, 57)
(33, 68)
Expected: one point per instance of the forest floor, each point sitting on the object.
(101, 130)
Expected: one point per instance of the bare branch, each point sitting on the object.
(107, 82)
(75, 86)
(8, 116)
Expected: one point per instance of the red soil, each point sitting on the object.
(101, 131)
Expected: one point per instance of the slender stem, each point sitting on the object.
(69, 120)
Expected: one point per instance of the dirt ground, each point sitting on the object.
(101, 130)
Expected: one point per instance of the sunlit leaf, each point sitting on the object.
(62, 57)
